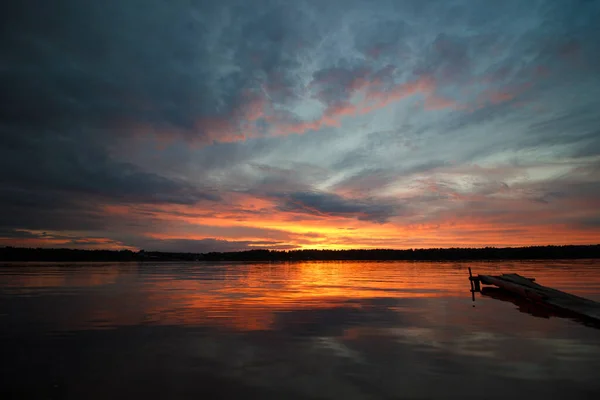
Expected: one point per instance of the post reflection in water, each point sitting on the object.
(289, 330)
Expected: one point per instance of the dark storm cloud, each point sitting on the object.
(35, 209)
(57, 239)
(75, 167)
(21, 234)
(74, 63)
(164, 64)
(328, 204)
(57, 182)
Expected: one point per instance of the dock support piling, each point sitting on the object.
(475, 283)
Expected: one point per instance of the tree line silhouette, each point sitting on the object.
(434, 254)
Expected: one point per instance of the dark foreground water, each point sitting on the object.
(331, 330)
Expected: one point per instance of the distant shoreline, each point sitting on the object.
(11, 254)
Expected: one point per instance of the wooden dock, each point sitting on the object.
(528, 289)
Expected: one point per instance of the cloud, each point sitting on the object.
(34, 209)
(47, 171)
(149, 69)
(366, 183)
(332, 205)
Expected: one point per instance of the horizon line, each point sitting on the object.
(302, 250)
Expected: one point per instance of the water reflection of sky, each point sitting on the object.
(323, 329)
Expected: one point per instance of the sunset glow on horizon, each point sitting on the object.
(239, 125)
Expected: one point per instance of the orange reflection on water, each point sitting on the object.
(253, 297)
(247, 297)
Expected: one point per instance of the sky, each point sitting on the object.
(231, 125)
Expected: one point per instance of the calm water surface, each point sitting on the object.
(322, 330)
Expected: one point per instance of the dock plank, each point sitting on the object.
(535, 292)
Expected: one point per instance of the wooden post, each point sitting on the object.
(472, 287)
(471, 279)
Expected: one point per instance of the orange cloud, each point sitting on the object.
(494, 218)
(31, 242)
(515, 223)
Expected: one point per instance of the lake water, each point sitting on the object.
(311, 330)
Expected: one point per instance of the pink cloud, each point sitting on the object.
(501, 95)
(377, 98)
(374, 98)
(433, 102)
(363, 92)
